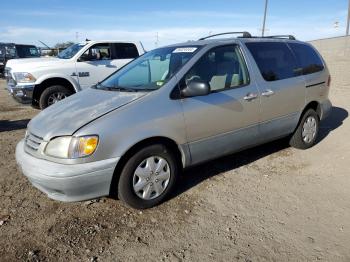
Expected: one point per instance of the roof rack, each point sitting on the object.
(245, 34)
(290, 37)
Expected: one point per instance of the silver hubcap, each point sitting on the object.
(309, 129)
(55, 97)
(151, 177)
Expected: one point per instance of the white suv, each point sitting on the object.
(44, 81)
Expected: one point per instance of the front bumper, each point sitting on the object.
(22, 93)
(67, 183)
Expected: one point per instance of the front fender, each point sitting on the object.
(70, 79)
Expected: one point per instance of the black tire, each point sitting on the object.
(297, 140)
(46, 96)
(126, 192)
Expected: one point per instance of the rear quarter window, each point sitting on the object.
(308, 60)
(125, 51)
(274, 60)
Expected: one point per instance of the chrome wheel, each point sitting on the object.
(151, 177)
(309, 129)
(55, 97)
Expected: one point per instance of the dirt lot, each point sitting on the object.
(271, 203)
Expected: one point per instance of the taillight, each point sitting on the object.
(329, 81)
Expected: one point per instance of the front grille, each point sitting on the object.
(7, 72)
(33, 142)
(9, 78)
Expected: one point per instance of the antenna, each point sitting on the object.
(45, 44)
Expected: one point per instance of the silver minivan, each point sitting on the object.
(172, 108)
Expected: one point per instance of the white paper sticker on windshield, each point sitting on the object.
(185, 50)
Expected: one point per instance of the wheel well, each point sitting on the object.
(167, 142)
(315, 106)
(49, 82)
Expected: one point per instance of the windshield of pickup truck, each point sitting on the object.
(150, 71)
(71, 51)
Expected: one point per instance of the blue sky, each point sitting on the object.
(55, 21)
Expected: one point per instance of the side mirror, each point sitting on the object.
(84, 58)
(196, 88)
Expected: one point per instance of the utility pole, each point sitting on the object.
(157, 40)
(264, 22)
(348, 22)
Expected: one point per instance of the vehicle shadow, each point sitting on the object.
(332, 122)
(6, 125)
(196, 175)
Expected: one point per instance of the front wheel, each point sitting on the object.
(306, 133)
(52, 95)
(148, 177)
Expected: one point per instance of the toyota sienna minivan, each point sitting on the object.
(172, 108)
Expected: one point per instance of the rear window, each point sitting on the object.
(307, 58)
(125, 51)
(26, 51)
(275, 60)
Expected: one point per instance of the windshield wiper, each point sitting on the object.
(99, 85)
(124, 89)
(116, 88)
(102, 87)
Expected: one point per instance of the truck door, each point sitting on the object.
(95, 65)
(123, 53)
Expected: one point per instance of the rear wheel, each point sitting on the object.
(148, 177)
(52, 95)
(306, 133)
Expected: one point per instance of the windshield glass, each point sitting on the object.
(150, 71)
(10, 51)
(70, 51)
(24, 51)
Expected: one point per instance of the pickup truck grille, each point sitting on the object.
(33, 142)
(9, 78)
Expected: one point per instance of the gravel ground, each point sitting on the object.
(270, 203)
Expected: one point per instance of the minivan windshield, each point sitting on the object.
(71, 51)
(150, 71)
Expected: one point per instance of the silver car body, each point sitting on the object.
(203, 128)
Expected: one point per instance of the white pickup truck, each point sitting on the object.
(44, 81)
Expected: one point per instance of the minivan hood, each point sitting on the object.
(70, 114)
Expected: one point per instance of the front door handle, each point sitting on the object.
(250, 96)
(267, 92)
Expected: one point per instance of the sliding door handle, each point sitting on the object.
(268, 92)
(250, 96)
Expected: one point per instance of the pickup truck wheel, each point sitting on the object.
(148, 177)
(306, 133)
(52, 95)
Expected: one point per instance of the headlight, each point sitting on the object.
(72, 147)
(24, 77)
(82, 146)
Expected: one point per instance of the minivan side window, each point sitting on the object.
(125, 51)
(275, 60)
(222, 67)
(308, 59)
